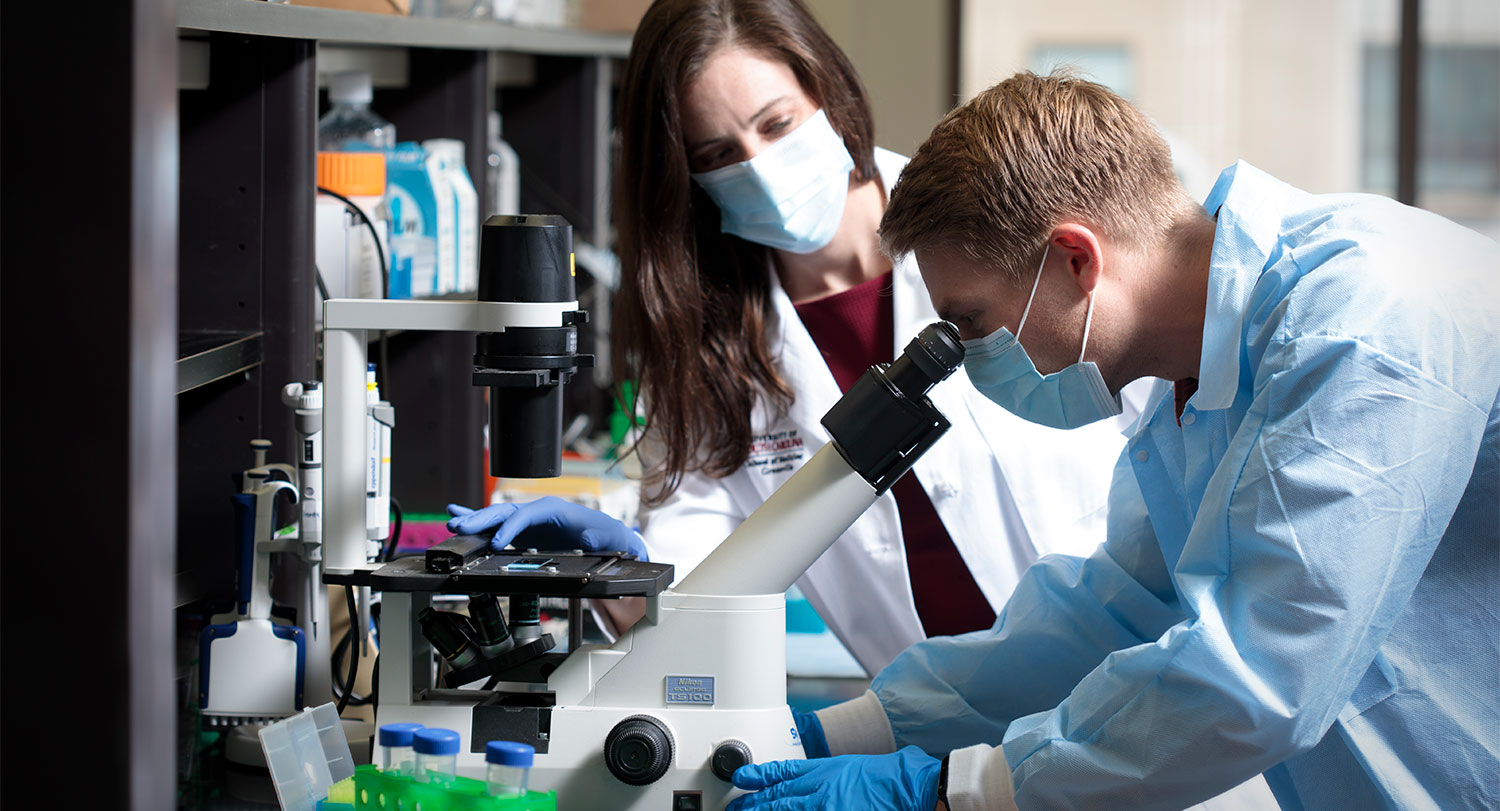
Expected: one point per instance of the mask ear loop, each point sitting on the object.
(1087, 321)
(1026, 312)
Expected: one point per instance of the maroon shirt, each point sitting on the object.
(1182, 391)
(854, 330)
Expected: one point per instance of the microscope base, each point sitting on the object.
(701, 679)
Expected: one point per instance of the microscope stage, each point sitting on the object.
(546, 574)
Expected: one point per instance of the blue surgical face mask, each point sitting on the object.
(1003, 372)
(791, 195)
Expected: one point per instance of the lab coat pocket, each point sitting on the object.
(1377, 685)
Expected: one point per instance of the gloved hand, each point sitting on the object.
(550, 524)
(810, 730)
(905, 780)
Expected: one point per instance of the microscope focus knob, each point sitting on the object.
(728, 756)
(638, 750)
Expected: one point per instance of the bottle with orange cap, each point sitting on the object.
(351, 225)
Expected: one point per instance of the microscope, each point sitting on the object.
(661, 718)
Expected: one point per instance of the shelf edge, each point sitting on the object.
(259, 18)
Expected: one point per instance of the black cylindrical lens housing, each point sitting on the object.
(525, 609)
(526, 257)
(489, 620)
(521, 348)
(526, 432)
(447, 635)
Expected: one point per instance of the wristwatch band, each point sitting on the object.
(943, 783)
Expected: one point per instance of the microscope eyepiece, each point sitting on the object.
(885, 421)
(930, 357)
(940, 342)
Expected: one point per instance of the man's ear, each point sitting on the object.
(1079, 246)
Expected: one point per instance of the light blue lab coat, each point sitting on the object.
(1303, 579)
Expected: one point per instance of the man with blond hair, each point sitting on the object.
(1302, 570)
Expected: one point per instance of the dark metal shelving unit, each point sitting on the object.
(208, 357)
(247, 174)
(173, 248)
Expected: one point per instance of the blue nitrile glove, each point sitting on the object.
(810, 730)
(901, 781)
(551, 524)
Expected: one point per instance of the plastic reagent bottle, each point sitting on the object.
(508, 768)
(350, 125)
(350, 254)
(504, 171)
(463, 277)
(396, 754)
(437, 755)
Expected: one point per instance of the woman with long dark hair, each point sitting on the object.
(754, 292)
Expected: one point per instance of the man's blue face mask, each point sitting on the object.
(791, 195)
(1000, 368)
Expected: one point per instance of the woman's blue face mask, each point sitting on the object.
(791, 195)
(999, 367)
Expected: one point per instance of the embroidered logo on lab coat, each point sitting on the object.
(775, 452)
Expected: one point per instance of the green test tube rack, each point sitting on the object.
(375, 790)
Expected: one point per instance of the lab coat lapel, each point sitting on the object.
(807, 374)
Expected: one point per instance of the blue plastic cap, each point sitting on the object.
(398, 734)
(432, 741)
(509, 753)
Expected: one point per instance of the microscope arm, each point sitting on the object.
(878, 430)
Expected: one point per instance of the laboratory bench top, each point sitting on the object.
(226, 786)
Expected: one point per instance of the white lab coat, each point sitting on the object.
(1008, 491)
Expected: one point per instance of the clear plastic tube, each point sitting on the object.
(508, 768)
(437, 755)
(506, 781)
(396, 753)
(436, 768)
(399, 759)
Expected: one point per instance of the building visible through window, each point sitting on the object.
(1458, 140)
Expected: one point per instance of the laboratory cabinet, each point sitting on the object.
(159, 165)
